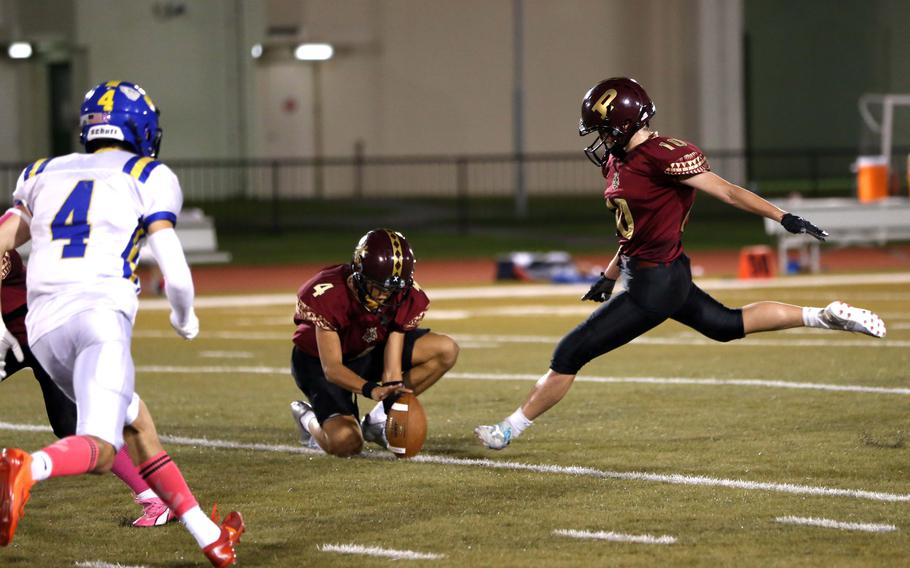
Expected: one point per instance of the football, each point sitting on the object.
(406, 426)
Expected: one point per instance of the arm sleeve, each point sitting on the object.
(179, 289)
(163, 196)
(686, 160)
(320, 305)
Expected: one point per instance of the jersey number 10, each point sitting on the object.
(71, 221)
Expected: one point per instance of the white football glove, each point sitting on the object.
(188, 329)
(8, 341)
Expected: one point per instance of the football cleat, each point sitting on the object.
(155, 513)
(221, 553)
(494, 437)
(838, 315)
(301, 412)
(374, 431)
(15, 487)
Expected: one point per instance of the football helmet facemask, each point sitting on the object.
(616, 109)
(383, 269)
(123, 112)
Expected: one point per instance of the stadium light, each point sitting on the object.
(314, 52)
(256, 51)
(19, 50)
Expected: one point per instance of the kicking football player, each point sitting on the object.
(357, 334)
(86, 215)
(61, 411)
(650, 186)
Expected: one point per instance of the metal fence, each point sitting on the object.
(459, 191)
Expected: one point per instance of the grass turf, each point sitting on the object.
(479, 516)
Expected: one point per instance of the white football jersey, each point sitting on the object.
(89, 214)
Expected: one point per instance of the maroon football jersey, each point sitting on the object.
(650, 203)
(13, 295)
(326, 301)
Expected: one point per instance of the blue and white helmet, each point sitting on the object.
(118, 110)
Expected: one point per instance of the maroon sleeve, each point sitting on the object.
(675, 157)
(322, 302)
(411, 311)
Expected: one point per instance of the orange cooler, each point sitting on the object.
(871, 178)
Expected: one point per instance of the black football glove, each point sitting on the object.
(601, 290)
(797, 225)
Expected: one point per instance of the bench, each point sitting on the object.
(196, 232)
(848, 222)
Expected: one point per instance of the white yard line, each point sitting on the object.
(227, 354)
(832, 524)
(684, 340)
(381, 552)
(550, 290)
(616, 537)
(100, 564)
(635, 476)
(710, 381)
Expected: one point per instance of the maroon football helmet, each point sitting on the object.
(616, 109)
(383, 267)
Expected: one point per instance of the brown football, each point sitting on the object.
(406, 426)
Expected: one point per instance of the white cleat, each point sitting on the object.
(838, 315)
(494, 437)
(302, 413)
(374, 431)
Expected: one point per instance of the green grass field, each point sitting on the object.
(714, 456)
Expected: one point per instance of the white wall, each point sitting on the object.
(435, 77)
(188, 65)
(428, 77)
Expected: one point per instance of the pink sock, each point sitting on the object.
(124, 469)
(73, 455)
(165, 478)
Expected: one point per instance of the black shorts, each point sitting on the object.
(653, 294)
(329, 399)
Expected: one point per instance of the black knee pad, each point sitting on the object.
(727, 326)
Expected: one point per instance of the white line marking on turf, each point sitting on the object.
(685, 340)
(831, 524)
(226, 354)
(100, 564)
(709, 381)
(376, 551)
(691, 381)
(551, 290)
(616, 537)
(672, 479)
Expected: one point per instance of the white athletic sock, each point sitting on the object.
(147, 494)
(41, 466)
(811, 319)
(200, 526)
(519, 422)
(378, 415)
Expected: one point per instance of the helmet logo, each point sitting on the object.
(130, 93)
(602, 105)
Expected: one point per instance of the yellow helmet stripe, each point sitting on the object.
(397, 252)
